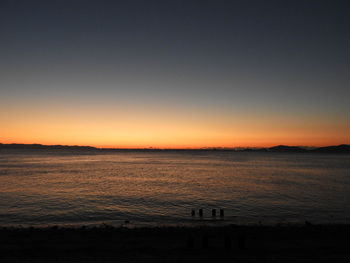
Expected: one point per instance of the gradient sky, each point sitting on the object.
(175, 73)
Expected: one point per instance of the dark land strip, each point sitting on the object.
(309, 243)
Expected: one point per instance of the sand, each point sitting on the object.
(307, 243)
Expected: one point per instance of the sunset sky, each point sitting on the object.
(175, 74)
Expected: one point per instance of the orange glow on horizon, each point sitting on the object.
(169, 128)
(172, 136)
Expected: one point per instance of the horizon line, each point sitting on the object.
(172, 148)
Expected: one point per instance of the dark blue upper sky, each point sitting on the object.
(276, 57)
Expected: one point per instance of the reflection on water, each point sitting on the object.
(163, 187)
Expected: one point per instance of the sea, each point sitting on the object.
(161, 188)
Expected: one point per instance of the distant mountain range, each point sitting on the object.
(20, 146)
(343, 148)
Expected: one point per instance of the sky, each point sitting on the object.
(175, 74)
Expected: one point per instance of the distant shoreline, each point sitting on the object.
(343, 148)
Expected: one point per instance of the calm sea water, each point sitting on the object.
(161, 188)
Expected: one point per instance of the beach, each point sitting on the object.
(250, 243)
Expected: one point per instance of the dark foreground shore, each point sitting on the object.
(309, 243)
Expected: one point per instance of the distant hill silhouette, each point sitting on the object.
(44, 147)
(284, 148)
(253, 150)
(343, 148)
